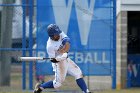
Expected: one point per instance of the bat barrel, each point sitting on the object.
(30, 58)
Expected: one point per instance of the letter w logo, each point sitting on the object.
(84, 17)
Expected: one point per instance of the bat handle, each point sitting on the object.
(47, 58)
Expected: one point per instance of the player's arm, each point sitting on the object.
(66, 45)
(64, 50)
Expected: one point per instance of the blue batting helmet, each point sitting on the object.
(53, 29)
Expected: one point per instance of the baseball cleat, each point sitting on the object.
(37, 89)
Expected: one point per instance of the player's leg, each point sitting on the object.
(37, 88)
(75, 71)
(40, 86)
(60, 74)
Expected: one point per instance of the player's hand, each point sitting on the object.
(62, 58)
(54, 60)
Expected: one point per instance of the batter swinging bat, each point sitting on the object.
(32, 58)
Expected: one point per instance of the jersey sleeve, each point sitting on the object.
(65, 39)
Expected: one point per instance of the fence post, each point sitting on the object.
(5, 42)
(24, 44)
(30, 43)
(114, 46)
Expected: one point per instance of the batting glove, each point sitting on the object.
(53, 60)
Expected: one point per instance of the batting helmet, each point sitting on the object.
(53, 29)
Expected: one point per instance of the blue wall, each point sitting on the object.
(133, 70)
(89, 24)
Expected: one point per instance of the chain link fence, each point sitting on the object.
(16, 22)
(12, 20)
(12, 15)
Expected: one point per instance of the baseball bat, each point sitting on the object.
(32, 58)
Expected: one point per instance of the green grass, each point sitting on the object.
(99, 91)
(69, 84)
(120, 91)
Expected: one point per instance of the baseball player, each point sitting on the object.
(58, 46)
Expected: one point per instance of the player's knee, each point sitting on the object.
(80, 75)
(57, 84)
